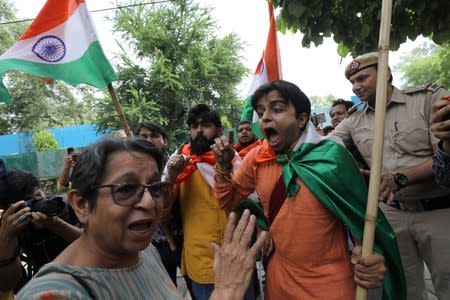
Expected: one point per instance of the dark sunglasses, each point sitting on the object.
(128, 194)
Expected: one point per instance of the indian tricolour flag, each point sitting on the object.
(268, 69)
(61, 44)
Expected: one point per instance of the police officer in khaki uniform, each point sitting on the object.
(417, 208)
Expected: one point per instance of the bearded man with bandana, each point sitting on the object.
(191, 168)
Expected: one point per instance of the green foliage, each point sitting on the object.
(181, 62)
(426, 63)
(321, 101)
(355, 25)
(37, 105)
(44, 140)
(9, 32)
(138, 109)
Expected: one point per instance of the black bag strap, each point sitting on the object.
(276, 199)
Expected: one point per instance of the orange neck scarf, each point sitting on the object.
(243, 151)
(207, 157)
(265, 155)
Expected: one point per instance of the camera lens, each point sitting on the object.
(50, 207)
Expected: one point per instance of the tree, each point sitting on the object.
(355, 24)
(37, 105)
(44, 140)
(426, 63)
(9, 32)
(322, 101)
(181, 63)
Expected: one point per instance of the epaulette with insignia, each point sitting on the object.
(432, 87)
(354, 108)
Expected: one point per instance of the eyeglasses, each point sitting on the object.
(128, 194)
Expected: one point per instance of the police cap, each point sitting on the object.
(361, 62)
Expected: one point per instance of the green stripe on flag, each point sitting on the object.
(91, 68)
(247, 111)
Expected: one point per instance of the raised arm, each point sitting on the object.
(231, 186)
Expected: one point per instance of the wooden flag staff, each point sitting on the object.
(377, 147)
(119, 111)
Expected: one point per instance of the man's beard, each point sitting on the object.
(201, 144)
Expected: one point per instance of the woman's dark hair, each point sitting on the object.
(90, 170)
(17, 185)
(203, 113)
(289, 91)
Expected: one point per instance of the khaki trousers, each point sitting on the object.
(423, 237)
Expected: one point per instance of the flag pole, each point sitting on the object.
(119, 111)
(377, 147)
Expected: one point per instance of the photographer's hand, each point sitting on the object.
(69, 162)
(14, 220)
(56, 225)
(65, 173)
(41, 221)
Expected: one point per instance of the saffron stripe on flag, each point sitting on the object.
(268, 68)
(40, 25)
(77, 33)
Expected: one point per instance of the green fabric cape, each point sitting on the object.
(331, 174)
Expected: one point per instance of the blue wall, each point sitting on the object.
(73, 136)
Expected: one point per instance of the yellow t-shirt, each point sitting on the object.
(203, 223)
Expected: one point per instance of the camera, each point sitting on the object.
(52, 206)
(318, 119)
(73, 154)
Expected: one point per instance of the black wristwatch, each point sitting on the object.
(400, 180)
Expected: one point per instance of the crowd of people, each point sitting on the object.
(135, 214)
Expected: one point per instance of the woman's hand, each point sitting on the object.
(234, 261)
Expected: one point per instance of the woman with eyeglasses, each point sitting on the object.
(117, 196)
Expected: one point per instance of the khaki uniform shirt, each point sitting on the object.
(408, 140)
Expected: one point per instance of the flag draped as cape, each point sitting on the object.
(331, 174)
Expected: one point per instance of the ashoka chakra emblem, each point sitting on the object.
(49, 48)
